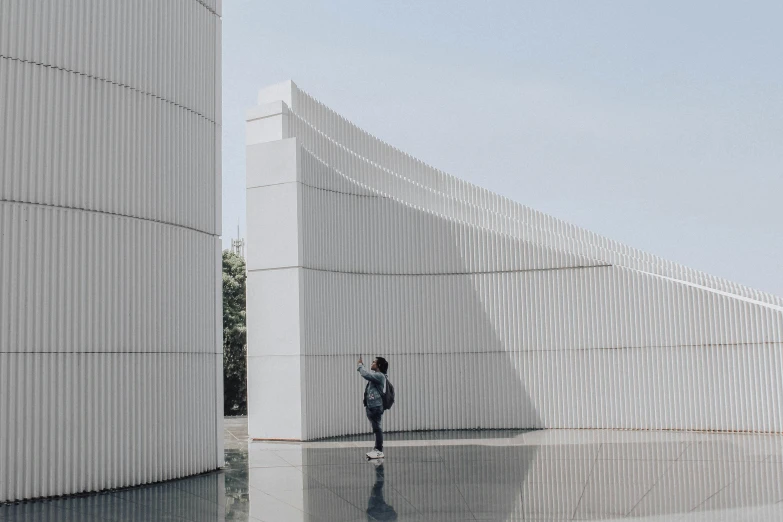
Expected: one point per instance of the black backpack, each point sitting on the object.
(388, 395)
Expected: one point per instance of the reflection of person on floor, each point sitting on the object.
(377, 508)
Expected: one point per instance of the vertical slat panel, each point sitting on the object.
(495, 315)
(109, 224)
(556, 233)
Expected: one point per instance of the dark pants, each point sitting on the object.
(375, 414)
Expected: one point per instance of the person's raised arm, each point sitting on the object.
(370, 375)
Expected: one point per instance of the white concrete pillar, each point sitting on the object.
(274, 261)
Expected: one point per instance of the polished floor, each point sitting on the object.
(449, 476)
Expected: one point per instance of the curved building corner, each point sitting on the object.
(110, 300)
(491, 314)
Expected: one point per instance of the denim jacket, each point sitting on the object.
(376, 384)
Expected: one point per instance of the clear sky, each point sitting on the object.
(655, 123)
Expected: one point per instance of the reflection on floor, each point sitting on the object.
(445, 476)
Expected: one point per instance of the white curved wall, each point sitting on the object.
(110, 337)
(491, 314)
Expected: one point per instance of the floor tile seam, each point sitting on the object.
(727, 461)
(666, 471)
(406, 499)
(130, 501)
(62, 510)
(269, 494)
(638, 460)
(226, 430)
(538, 458)
(437, 449)
(173, 484)
(587, 482)
(286, 490)
(285, 459)
(272, 494)
(686, 447)
(286, 466)
(459, 490)
(241, 438)
(465, 500)
(200, 497)
(386, 486)
(733, 481)
(327, 465)
(600, 451)
(304, 472)
(525, 439)
(359, 508)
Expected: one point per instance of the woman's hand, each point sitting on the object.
(360, 360)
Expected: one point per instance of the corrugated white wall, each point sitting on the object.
(110, 298)
(491, 315)
(360, 156)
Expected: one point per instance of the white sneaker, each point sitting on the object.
(374, 454)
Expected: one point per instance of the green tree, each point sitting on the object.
(234, 335)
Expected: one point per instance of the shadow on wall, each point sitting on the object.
(484, 330)
(363, 294)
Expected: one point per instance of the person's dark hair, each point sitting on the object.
(383, 364)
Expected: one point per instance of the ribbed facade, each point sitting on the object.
(110, 299)
(491, 314)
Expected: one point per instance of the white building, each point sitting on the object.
(110, 336)
(491, 314)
